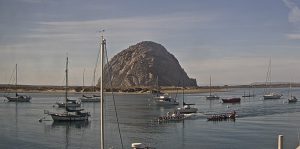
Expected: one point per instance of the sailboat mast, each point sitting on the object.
(183, 93)
(83, 78)
(103, 45)
(157, 87)
(209, 85)
(16, 78)
(66, 94)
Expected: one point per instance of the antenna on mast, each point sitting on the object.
(102, 32)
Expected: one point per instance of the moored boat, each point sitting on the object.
(70, 103)
(272, 96)
(211, 97)
(93, 98)
(18, 98)
(268, 93)
(292, 99)
(231, 100)
(71, 113)
(165, 100)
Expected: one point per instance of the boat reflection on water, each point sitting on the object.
(71, 124)
(69, 127)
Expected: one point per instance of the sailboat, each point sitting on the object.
(18, 98)
(186, 108)
(268, 93)
(164, 99)
(70, 114)
(211, 97)
(292, 98)
(92, 98)
(249, 94)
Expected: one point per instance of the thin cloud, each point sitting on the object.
(293, 36)
(294, 18)
(294, 14)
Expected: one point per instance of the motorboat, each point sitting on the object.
(165, 100)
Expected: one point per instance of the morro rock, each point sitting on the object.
(140, 65)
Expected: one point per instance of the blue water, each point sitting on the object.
(258, 124)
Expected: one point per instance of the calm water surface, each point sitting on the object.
(259, 123)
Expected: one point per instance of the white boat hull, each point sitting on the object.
(187, 111)
(166, 103)
(63, 104)
(90, 99)
(272, 96)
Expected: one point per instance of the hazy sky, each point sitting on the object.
(232, 40)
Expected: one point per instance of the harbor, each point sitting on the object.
(258, 120)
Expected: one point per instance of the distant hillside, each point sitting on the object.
(141, 64)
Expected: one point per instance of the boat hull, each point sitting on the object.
(232, 100)
(166, 103)
(90, 99)
(212, 97)
(62, 104)
(19, 99)
(187, 111)
(272, 96)
(69, 117)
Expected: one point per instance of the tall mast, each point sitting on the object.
(16, 78)
(183, 92)
(103, 45)
(66, 95)
(209, 85)
(157, 87)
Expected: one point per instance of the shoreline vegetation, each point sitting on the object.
(7, 88)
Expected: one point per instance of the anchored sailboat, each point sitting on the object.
(92, 98)
(211, 97)
(70, 114)
(268, 93)
(18, 98)
(186, 107)
(292, 98)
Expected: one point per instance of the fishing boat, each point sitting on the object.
(186, 108)
(71, 113)
(222, 117)
(211, 97)
(17, 97)
(164, 99)
(268, 91)
(231, 100)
